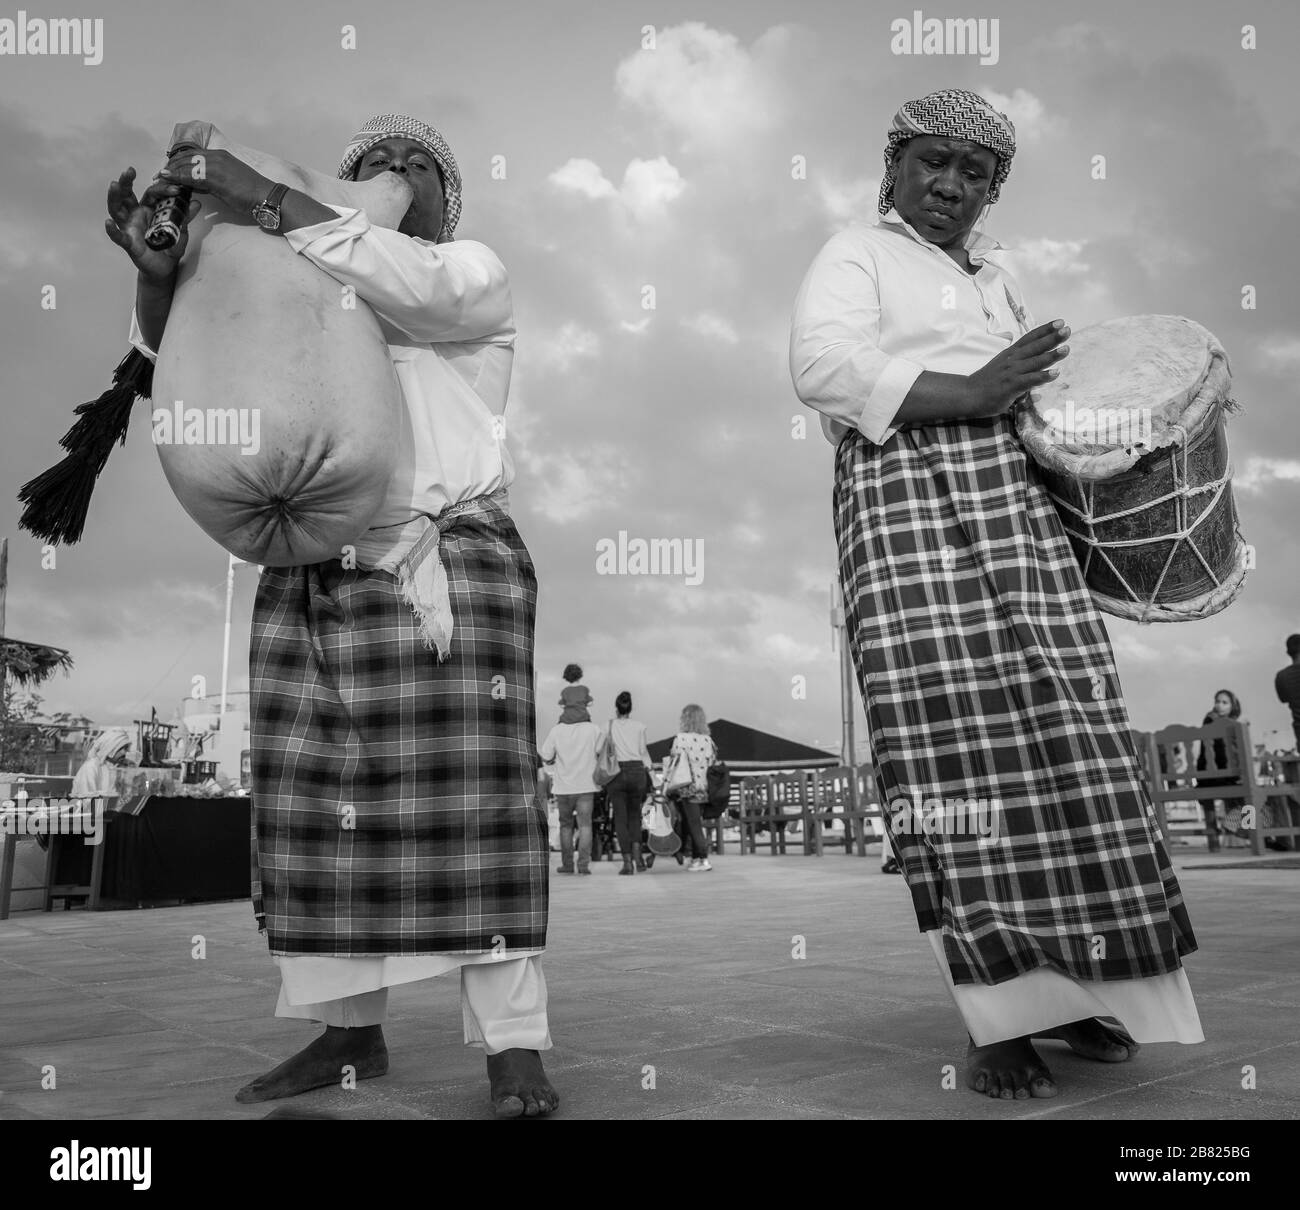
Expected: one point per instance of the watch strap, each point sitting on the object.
(276, 196)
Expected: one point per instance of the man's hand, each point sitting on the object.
(1018, 369)
(128, 219)
(218, 173)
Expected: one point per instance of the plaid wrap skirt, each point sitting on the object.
(394, 797)
(987, 674)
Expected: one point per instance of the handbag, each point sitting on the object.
(661, 839)
(678, 776)
(606, 760)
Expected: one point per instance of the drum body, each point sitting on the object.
(1131, 443)
(276, 410)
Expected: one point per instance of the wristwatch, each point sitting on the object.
(267, 213)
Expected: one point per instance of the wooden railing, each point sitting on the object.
(768, 799)
(817, 797)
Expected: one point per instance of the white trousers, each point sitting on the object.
(1156, 1009)
(503, 1004)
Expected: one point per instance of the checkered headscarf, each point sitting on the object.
(956, 114)
(396, 126)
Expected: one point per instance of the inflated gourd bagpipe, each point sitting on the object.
(254, 329)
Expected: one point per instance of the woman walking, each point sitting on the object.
(697, 748)
(627, 791)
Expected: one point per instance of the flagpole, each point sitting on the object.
(225, 646)
(839, 630)
(855, 827)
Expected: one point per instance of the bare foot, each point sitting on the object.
(1008, 1070)
(322, 1064)
(1096, 1039)
(519, 1087)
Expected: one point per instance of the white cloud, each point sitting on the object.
(1282, 354)
(712, 326)
(1028, 114)
(561, 350)
(569, 486)
(194, 596)
(1052, 256)
(704, 84)
(648, 185)
(584, 177)
(782, 649)
(1259, 473)
(844, 201)
(1213, 651)
(1130, 647)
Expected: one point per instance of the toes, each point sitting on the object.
(1120, 1038)
(253, 1093)
(1041, 1084)
(536, 1103)
(508, 1106)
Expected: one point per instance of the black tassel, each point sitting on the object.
(58, 500)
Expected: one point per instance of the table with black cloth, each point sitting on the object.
(167, 849)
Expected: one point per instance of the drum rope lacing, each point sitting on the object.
(1180, 496)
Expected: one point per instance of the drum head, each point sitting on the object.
(1129, 386)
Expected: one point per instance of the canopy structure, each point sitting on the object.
(28, 663)
(738, 743)
(32, 663)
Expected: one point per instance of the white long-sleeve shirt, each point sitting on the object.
(879, 305)
(446, 314)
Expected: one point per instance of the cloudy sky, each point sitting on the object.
(626, 168)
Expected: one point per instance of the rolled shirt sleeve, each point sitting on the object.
(836, 362)
(136, 337)
(457, 291)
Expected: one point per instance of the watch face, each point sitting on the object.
(267, 218)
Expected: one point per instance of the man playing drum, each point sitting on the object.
(987, 675)
(396, 831)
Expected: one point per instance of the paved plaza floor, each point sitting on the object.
(672, 994)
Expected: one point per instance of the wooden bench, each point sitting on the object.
(1172, 776)
(772, 800)
(845, 796)
(50, 890)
